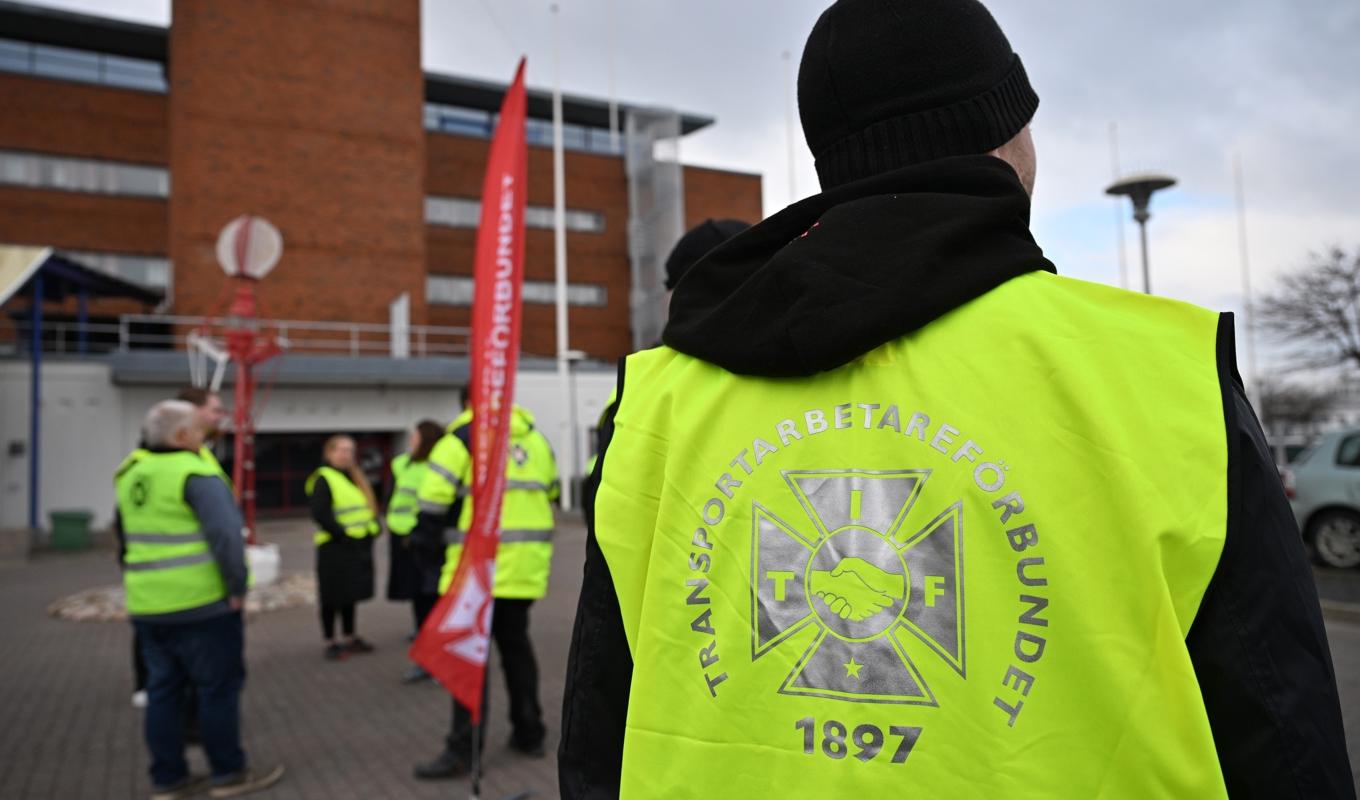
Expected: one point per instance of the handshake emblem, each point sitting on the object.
(855, 590)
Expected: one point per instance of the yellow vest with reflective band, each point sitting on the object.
(963, 565)
(349, 504)
(167, 565)
(524, 555)
(407, 476)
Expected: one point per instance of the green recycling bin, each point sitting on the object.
(70, 529)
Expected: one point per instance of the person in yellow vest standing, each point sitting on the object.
(523, 563)
(346, 514)
(209, 415)
(403, 577)
(897, 510)
(185, 577)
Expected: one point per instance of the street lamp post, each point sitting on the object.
(1139, 189)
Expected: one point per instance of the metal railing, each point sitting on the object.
(134, 332)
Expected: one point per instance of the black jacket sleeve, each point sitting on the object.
(1258, 643)
(323, 511)
(599, 666)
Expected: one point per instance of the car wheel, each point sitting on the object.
(1336, 538)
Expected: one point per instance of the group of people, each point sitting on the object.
(186, 575)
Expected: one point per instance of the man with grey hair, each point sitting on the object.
(184, 574)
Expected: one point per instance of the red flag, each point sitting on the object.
(452, 645)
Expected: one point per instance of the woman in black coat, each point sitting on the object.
(342, 505)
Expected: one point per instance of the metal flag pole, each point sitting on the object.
(1118, 210)
(612, 29)
(560, 262)
(788, 124)
(1248, 309)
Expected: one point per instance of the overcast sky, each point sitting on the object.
(1189, 84)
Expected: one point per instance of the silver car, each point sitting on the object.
(1323, 486)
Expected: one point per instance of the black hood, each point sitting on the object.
(838, 274)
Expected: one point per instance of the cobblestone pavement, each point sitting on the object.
(344, 730)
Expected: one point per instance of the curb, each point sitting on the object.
(1336, 611)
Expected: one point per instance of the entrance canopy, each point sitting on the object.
(61, 277)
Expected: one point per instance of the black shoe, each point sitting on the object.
(357, 645)
(447, 765)
(532, 751)
(415, 674)
(335, 652)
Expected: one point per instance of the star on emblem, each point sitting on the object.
(871, 586)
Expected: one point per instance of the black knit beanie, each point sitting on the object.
(696, 243)
(888, 83)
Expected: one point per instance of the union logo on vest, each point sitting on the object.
(874, 582)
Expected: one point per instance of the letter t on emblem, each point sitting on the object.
(781, 579)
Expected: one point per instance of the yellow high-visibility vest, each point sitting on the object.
(349, 503)
(167, 563)
(963, 565)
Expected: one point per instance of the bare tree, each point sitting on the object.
(1285, 406)
(1317, 309)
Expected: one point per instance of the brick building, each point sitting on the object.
(127, 147)
(131, 146)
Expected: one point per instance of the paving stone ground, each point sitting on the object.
(345, 731)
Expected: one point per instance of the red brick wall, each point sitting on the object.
(594, 183)
(72, 119)
(309, 114)
(51, 116)
(715, 194)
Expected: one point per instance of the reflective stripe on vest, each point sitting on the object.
(791, 558)
(167, 563)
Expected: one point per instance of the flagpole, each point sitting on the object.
(560, 262)
(788, 125)
(1118, 207)
(1248, 309)
(613, 94)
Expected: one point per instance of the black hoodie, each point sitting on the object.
(834, 276)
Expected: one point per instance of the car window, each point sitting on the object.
(1348, 454)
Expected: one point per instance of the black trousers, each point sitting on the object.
(421, 606)
(510, 629)
(328, 615)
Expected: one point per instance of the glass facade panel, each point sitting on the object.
(455, 290)
(464, 212)
(83, 66)
(41, 171)
(538, 132)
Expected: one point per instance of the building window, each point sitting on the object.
(538, 132)
(464, 212)
(454, 290)
(83, 66)
(150, 271)
(82, 175)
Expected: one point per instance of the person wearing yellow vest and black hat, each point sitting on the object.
(523, 563)
(403, 577)
(342, 505)
(898, 510)
(185, 577)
